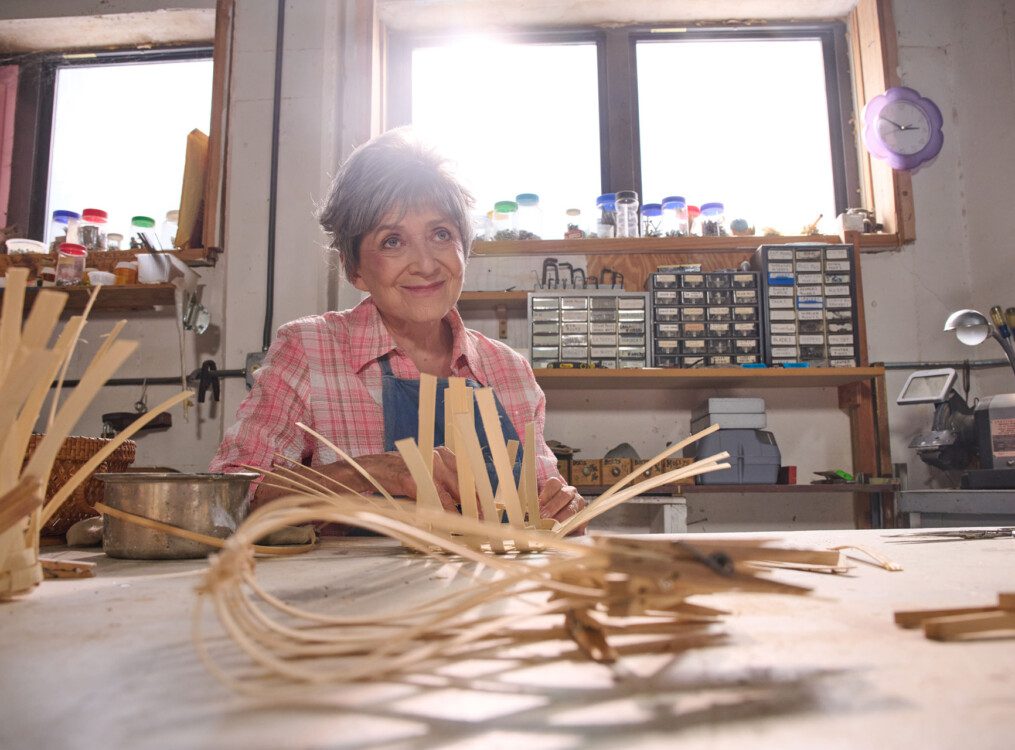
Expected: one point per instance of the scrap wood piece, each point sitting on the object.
(880, 560)
(959, 623)
(52, 568)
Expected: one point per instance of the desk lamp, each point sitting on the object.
(972, 327)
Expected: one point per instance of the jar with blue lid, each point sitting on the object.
(530, 217)
(675, 216)
(606, 224)
(58, 227)
(652, 220)
(713, 220)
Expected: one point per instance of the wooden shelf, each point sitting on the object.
(655, 245)
(106, 261)
(753, 489)
(740, 377)
(475, 300)
(111, 298)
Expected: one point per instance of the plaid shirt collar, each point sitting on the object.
(375, 341)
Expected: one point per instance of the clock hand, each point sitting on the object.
(895, 124)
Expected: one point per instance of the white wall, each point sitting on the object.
(958, 54)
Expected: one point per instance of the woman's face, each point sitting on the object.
(412, 266)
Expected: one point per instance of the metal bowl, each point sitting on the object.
(212, 504)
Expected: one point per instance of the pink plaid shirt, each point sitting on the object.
(323, 370)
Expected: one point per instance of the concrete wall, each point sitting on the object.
(959, 55)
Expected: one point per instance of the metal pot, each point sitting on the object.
(212, 504)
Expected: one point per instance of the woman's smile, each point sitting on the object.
(424, 289)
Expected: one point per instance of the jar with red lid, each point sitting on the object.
(92, 232)
(70, 264)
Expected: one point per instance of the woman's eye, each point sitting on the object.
(443, 235)
(391, 242)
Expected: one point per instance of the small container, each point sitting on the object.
(675, 216)
(652, 220)
(573, 224)
(114, 241)
(18, 246)
(505, 220)
(627, 213)
(694, 226)
(58, 227)
(606, 226)
(143, 225)
(530, 217)
(92, 232)
(126, 273)
(101, 278)
(48, 275)
(167, 232)
(481, 225)
(713, 220)
(70, 264)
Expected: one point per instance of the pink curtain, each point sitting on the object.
(8, 99)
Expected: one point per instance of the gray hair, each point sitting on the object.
(392, 172)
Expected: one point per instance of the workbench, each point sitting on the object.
(108, 662)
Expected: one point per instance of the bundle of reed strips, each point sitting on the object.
(588, 593)
(28, 367)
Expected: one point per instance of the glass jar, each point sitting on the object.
(92, 232)
(505, 220)
(606, 224)
(125, 272)
(70, 264)
(627, 213)
(652, 220)
(58, 227)
(694, 225)
(713, 220)
(114, 241)
(573, 224)
(674, 216)
(530, 217)
(167, 232)
(481, 223)
(143, 225)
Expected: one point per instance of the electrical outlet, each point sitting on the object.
(254, 360)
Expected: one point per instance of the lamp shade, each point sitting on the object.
(971, 327)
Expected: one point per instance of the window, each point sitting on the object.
(756, 119)
(511, 116)
(119, 136)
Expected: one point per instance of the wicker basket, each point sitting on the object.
(73, 454)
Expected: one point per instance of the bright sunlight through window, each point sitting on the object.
(741, 122)
(515, 118)
(120, 136)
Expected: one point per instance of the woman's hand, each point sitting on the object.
(391, 473)
(560, 501)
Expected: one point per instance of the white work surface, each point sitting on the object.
(108, 663)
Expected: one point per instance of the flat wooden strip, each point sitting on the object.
(42, 320)
(427, 414)
(426, 492)
(55, 399)
(528, 487)
(467, 438)
(66, 568)
(10, 317)
(958, 626)
(19, 502)
(506, 489)
(1006, 601)
(914, 618)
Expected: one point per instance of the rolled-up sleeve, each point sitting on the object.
(266, 420)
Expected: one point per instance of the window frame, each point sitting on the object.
(33, 130)
(620, 148)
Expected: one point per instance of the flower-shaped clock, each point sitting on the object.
(903, 128)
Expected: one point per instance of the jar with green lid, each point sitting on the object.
(143, 226)
(505, 220)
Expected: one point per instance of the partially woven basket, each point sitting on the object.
(73, 454)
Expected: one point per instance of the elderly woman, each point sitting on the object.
(402, 228)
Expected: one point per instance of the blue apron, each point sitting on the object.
(400, 400)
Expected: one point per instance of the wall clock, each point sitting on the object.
(903, 128)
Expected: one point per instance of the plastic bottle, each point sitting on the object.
(167, 232)
(627, 213)
(70, 264)
(58, 227)
(143, 225)
(675, 216)
(573, 229)
(713, 220)
(505, 220)
(530, 217)
(92, 232)
(606, 225)
(652, 220)
(694, 225)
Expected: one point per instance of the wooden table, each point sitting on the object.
(108, 663)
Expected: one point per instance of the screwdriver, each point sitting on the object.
(998, 317)
(1010, 315)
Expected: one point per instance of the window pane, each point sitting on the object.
(120, 136)
(515, 118)
(741, 122)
